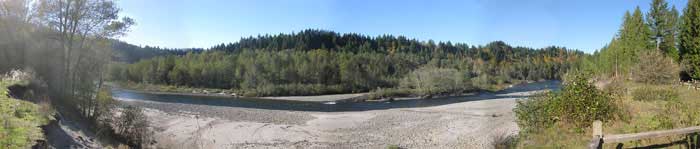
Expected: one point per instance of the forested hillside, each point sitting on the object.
(128, 53)
(325, 62)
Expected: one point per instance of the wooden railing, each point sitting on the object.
(599, 139)
(695, 85)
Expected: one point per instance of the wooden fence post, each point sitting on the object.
(693, 138)
(597, 141)
(597, 128)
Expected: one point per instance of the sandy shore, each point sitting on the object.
(475, 124)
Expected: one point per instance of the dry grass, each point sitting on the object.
(641, 116)
(559, 136)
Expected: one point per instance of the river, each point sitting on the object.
(272, 104)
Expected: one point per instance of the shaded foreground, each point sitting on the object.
(477, 123)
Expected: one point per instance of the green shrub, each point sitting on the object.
(578, 103)
(292, 90)
(536, 113)
(393, 147)
(484, 82)
(388, 92)
(430, 80)
(650, 94)
(581, 103)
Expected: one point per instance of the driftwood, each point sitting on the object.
(599, 139)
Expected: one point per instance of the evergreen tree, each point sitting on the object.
(690, 38)
(636, 34)
(662, 23)
(633, 38)
(622, 51)
(672, 38)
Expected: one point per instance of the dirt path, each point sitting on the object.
(475, 124)
(65, 133)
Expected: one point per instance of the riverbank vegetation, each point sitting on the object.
(315, 62)
(66, 44)
(579, 103)
(21, 119)
(637, 111)
(637, 85)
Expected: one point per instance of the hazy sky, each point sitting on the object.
(581, 24)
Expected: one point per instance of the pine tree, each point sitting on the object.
(672, 38)
(690, 38)
(633, 38)
(624, 52)
(638, 34)
(662, 23)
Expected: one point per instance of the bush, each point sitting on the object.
(132, 125)
(651, 94)
(655, 68)
(578, 103)
(388, 92)
(581, 103)
(504, 142)
(536, 113)
(616, 88)
(293, 90)
(430, 80)
(393, 147)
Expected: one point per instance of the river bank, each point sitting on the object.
(330, 98)
(474, 124)
(226, 93)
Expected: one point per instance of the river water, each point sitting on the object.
(127, 95)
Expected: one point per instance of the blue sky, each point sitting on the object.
(580, 24)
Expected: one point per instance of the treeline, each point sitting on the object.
(324, 62)
(128, 53)
(662, 29)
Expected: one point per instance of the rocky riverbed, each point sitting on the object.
(473, 124)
